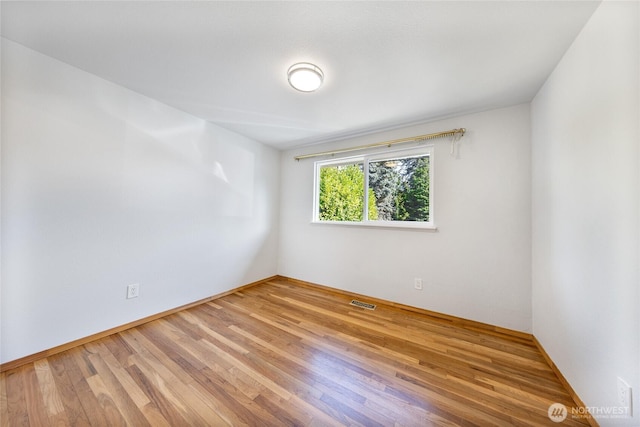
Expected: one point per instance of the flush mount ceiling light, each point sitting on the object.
(305, 77)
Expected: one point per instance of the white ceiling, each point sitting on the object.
(386, 64)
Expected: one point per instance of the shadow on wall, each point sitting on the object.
(172, 162)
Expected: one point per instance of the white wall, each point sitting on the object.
(585, 141)
(477, 264)
(102, 187)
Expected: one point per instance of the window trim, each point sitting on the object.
(365, 159)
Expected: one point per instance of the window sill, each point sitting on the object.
(381, 224)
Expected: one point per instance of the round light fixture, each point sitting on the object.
(305, 77)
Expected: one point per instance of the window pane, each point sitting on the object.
(400, 189)
(341, 192)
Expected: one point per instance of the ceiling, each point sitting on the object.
(386, 64)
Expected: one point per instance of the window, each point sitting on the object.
(390, 189)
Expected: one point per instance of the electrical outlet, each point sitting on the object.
(624, 395)
(133, 291)
(417, 283)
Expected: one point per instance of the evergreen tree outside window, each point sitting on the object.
(395, 188)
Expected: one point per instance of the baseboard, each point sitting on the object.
(63, 347)
(459, 321)
(453, 320)
(579, 403)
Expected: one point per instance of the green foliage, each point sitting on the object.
(372, 208)
(341, 194)
(402, 188)
(383, 181)
(398, 191)
(415, 196)
(400, 214)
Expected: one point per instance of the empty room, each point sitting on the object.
(320, 213)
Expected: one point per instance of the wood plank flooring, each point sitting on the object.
(281, 354)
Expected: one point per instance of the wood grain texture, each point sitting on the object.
(563, 381)
(79, 342)
(283, 353)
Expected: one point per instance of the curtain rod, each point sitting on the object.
(453, 132)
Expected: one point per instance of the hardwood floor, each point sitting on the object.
(284, 354)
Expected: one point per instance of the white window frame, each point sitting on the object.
(365, 159)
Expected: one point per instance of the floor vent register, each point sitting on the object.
(363, 304)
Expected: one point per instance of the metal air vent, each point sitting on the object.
(363, 304)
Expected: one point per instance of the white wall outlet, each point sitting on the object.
(417, 283)
(133, 291)
(624, 396)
